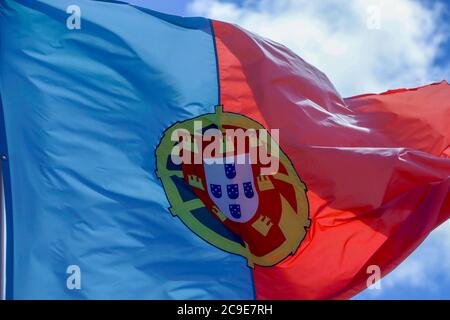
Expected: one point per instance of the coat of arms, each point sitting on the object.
(217, 172)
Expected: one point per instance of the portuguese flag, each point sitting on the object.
(125, 177)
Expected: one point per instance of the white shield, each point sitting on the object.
(231, 186)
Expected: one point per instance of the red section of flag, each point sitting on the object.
(377, 167)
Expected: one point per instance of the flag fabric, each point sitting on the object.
(88, 115)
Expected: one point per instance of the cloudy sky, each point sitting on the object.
(364, 46)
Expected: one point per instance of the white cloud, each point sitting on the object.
(433, 256)
(425, 272)
(341, 37)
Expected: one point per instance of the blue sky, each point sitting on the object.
(407, 45)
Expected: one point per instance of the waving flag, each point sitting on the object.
(98, 204)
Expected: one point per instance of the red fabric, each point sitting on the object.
(377, 167)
